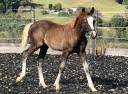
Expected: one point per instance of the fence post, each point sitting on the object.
(33, 13)
(94, 46)
(94, 40)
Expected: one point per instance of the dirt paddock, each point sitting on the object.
(109, 73)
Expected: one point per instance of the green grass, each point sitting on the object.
(51, 17)
(102, 5)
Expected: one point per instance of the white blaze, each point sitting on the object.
(90, 22)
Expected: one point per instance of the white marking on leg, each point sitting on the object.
(23, 72)
(58, 78)
(23, 68)
(89, 79)
(56, 84)
(41, 78)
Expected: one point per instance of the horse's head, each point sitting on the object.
(86, 22)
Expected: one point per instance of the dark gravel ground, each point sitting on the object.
(110, 75)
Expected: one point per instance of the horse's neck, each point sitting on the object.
(80, 31)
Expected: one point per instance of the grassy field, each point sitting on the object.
(106, 7)
(102, 5)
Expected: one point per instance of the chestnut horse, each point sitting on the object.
(68, 38)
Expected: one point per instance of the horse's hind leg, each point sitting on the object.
(65, 55)
(25, 54)
(43, 51)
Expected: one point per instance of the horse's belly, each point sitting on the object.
(57, 44)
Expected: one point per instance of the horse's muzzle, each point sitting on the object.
(93, 34)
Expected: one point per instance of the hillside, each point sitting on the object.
(102, 5)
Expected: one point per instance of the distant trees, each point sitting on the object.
(12, 4)
(119, 21)
(50, 6)
(119, 1)
(125, 2)
(4, 5)
(56, 7)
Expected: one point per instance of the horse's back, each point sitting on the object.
(45, 24)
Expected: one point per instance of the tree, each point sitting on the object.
(58, 7)
(125, 2)
(12, 4)
(3, 5)
(50, 6)
(15, 5)
(119, 1)
(118, 21)
(25, 2)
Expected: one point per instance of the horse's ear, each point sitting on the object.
(92, 11)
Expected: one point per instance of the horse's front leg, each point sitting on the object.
(85, 65)
(61, 68)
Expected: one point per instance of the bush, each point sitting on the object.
(12, 26)
(44, 12)
(1, 8)
(63, 14)
(119, 1)
(99, 22)
(58, 7)
(50, 6)
(125, 33)
(125, 2)
(70, 11)
(119, 21)
(24, 2)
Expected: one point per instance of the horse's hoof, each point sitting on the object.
(43, 85)
(57, 86)
(93, 90)
(18, 79)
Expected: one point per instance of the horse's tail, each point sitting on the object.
(25, 35)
